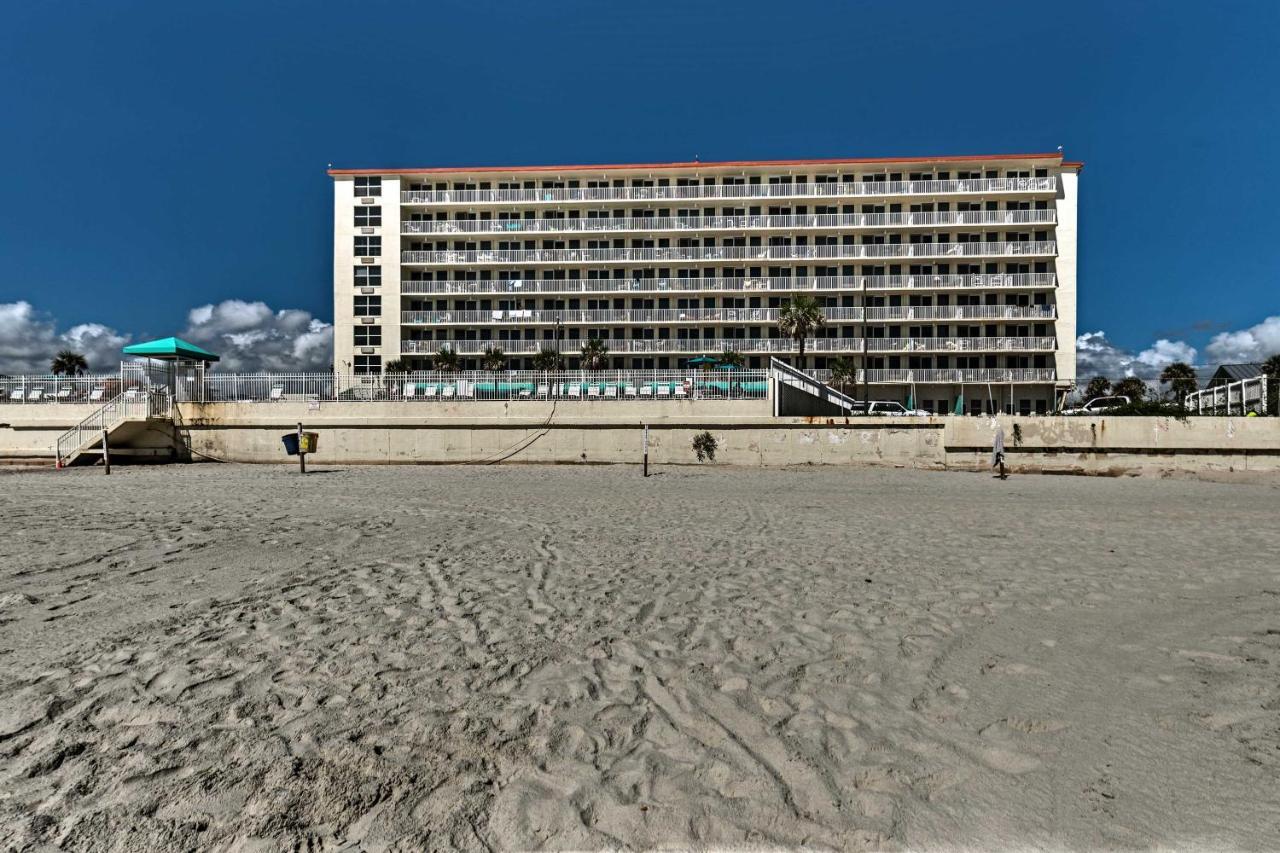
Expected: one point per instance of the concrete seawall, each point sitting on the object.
(610, 432)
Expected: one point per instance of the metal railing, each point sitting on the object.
(837, 189)
(848, 345)
(534, 316)
(56, 388)
(435, 386)
(700, 254)
(991, 375)
(780, 284)
(615, 224)
(134, 404)
(1242, 396)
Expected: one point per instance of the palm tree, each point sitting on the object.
(1132, 387)
(493, 359)
(801, 318)
(547, 359)
(396, 365)
(69, 362)
(1181, 379)
(733, 358)
(595, 354)
(1271, 367)
(445, 359)
(843, 372)
(1099, 386)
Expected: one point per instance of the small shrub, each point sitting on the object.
(704, 446)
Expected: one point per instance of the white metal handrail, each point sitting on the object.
(925, 281)
(838, 189)
(696, 254)
(57, 388)
(1241, 396)
(612, 224)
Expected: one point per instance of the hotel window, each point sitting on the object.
(368, 306)
(368, 186)
(368, 247)
(368, 276)
(368, 336)
(368, 216)
(366, 364)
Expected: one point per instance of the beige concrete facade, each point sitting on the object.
(940, 278)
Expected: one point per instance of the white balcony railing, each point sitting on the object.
(544, 317)
(717, 254)
(840, 189)
(746, 345)
(976, 375)
(608, 225)
(781, 284)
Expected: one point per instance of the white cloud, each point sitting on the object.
(249, 336)
(1097, 356)
(29, 341)
(1255, 343)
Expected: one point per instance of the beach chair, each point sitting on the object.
(593, 391)
(410, 388)
(64, 394)
(611, 392)
(15, 395)
(628, 390)
(664, 390)
(646, 390)
(575, 391)
(544, 390)
(525, 392)
(466, 390)
(277, 394)
(447, 392)
(430, 391)
(35, 395)
(679, 391)
(96, 395)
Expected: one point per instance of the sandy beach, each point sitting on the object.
(235, 657)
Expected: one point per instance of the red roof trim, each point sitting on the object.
(695, 164)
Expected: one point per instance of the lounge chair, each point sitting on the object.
(466, 390)
(664, 390)
(16, 395)
(96, 395)
(64, 394)
(575, 391)
(544, 390)
(646, 390)
(35, 395)
(611, 391)
(277, 393)
(410, 389)
(593, 390)
(628, 390)
(430, 391)
(525, 392)
(448, 391)
(679, 390)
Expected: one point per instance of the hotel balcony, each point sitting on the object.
(841, 189)
(992, 375)
(779, 284)
(721, 254)
(848, 346)
(675, 316)
(816, 221)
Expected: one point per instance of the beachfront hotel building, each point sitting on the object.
(939, 277)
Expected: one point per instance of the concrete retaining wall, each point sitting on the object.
(426, 433)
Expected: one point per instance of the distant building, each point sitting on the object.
(1227, 373)
(940, 277)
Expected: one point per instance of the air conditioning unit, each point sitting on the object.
(368, 350)
(368, 320)
(366, 229)
(368, 290)
(369, 200)
(368, 260)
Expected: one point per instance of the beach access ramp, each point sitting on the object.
(117, 421)
(799, 394)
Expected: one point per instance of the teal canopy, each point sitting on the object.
(170, 349)
(704, 359)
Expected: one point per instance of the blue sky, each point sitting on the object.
(163, 156)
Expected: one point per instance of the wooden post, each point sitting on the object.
(106, 453)
(646, 450)
(302, 457)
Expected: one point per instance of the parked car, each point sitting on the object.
(894, 410)
(1098, 406)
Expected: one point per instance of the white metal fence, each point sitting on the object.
(53, 388)
(1240, 397)
(429, 386)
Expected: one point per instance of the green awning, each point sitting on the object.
(170, 348)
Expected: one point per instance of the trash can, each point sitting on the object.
(310, 440)
(290, 440)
